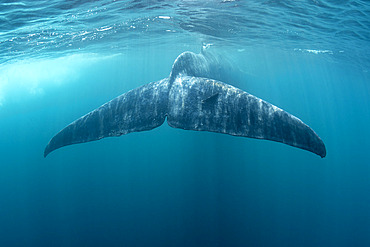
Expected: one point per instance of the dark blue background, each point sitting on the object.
(170, 187)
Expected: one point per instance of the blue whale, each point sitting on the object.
(192, 98)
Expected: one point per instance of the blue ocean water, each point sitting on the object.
(171, 187)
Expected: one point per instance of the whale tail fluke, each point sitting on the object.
(193, 103)
(140, 109)
(191, 98)
(210, 105)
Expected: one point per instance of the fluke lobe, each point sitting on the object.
(192, 98)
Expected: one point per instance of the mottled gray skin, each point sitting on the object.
(140, 109)
(209, 105)
(190, 100)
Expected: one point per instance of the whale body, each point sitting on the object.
(191, 98)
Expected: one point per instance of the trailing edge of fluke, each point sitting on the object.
(192, 98)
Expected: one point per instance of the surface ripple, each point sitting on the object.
(45, 28)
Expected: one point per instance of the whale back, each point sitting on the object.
(205, 65)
